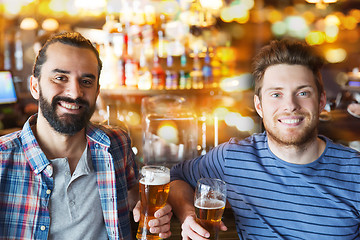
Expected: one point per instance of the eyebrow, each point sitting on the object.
(88, 75)
(280, 88)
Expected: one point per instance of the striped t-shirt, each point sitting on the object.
(274, 199)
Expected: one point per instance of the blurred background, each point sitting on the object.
(191, 59)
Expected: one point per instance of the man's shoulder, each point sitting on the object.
(103, 133)
(10, 141)
(258, 140)
(339, 150)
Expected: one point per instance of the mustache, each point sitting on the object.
(78, 101)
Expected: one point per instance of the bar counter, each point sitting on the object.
(228, 219)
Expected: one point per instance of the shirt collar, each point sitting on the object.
(34, 154)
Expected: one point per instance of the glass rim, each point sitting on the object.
(211, 179)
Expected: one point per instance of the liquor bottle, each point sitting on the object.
(171, 74)
(131, 66)
(207, 71)
(144, 72)
(158, 74)
(196, 73)
(184, 75)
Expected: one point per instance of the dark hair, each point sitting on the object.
(287, 52)
(69, 38)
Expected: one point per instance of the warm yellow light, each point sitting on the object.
(245, 124)
(350, 22)
(57, 6)
(232, 118)
(28, 24)
(50, 24)
(133, 118)
(12, 7)
(211, 4)
(168, 131)
(275, 16)
(309, 17)
(315, 38)
(332, 20)
(221, 112)
(335, 55)
(226, 15)
(331, 31)
(90, 4)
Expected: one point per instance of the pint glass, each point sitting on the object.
(154, 189)
(210, 200)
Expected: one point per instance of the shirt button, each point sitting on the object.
(72, 203)
(48, 191)
(42, 228)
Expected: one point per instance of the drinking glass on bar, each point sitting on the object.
(209, 201)
(154, 187)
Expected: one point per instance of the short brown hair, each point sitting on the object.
(287, 52)
(69, 38)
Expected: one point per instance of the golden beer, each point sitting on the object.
(209, 214)
(154, 190)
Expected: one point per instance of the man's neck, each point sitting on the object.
(298, 154)
(57, 145)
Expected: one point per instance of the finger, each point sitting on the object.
(223, 227)
(194, 230)
(160, 221)
(136, 212)
(163, 211)
(165, 235)
(162, 229)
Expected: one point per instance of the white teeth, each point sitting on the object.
(290, 121)
(70, 106)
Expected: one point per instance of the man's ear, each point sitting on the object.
(34, 87)
(322, 102)
(257, 104)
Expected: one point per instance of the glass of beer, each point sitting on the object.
(210, 200)
(154, 190)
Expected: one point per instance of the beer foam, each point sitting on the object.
(209, 203)
(155, 178)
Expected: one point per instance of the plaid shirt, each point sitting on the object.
(26, 182)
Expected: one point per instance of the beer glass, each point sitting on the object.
(209, 201)
(154, 189)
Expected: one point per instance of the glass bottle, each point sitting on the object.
(207, 71)
(171, 74)
(131, 66)
(184, 75)
(196, 73)
(144, 72)
(158, 74)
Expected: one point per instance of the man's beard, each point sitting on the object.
(67, 124)
(306, 136)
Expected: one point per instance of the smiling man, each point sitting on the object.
(62, 177)
(287, 182)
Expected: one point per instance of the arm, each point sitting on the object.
(181, 198)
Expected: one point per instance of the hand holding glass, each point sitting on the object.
(154, 190)
(210, 200)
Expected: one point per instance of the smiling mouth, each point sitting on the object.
(290, 121)
(70, 106)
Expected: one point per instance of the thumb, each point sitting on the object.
(223, 227)
(136, 212)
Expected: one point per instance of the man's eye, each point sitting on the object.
(275, 95)
(60, 78)
(87, 82)
(303, 93)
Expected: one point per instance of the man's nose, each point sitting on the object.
(291, 103)
(74, 89)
